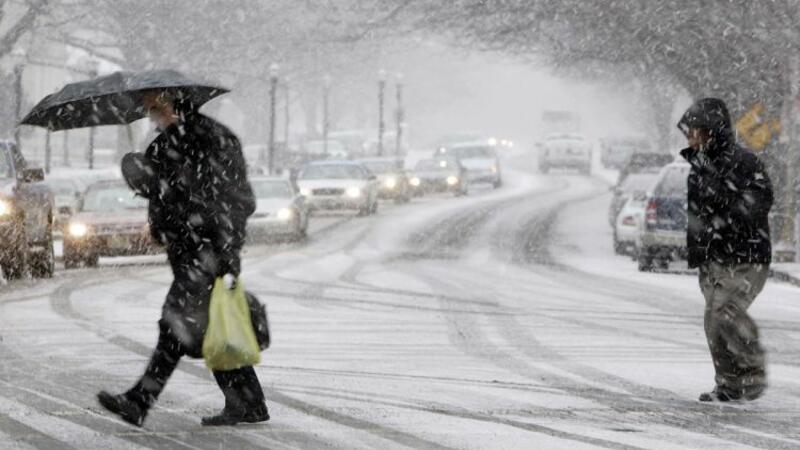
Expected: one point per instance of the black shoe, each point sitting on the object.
(720, 395)
(230, 417)
(121, 405)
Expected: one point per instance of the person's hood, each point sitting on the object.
(710, 114)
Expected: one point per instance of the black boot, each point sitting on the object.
(129, 410)
(232, 416)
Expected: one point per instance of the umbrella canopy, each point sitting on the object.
(113, 99)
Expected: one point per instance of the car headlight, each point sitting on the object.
(78, 229)
(452, 180)
(305, 192)
(390, 183)
(353, 192)
(414, 181)
(285, 214)
(494, 169)
(5, 208)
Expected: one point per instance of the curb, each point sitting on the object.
(785, 277)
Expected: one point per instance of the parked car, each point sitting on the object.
(67, 194)
(629, 224)
(393, 179)
(439, 175)
(565, 151)
(637, 183)
(480, 160)
(663, 237)
(615, 152)
(644, 163)
(110, 221)
(27, 215)
(339, 185)
(280, 210)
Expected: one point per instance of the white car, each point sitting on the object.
(339, 185)
(565, 151)
(478, 158)
(280, 210)
(630, 224)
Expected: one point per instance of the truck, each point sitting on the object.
(26, 217)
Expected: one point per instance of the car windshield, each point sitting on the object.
(674, 183)
(381, 166)
(111, 198)
(637, 183)
(271, 189)
(63, 187)
(332, 171)
(432, 164)
(5, 167)
(474, 152)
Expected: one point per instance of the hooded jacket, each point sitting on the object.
(729, 193)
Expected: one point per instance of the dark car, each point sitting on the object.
(110, 221)
(26, 217)
(394, 183)
(663, 238)
(439, 175)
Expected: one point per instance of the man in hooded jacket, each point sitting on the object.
(199, 201)
(729, 198)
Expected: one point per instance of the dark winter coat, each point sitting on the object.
(199, 202)
(729, 197)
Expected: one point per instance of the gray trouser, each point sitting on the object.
(732, 335)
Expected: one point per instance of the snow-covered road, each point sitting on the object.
(501, 320)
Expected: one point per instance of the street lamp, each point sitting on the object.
(326, 91)
(381, 91)
(273, 87)
(19, 57)
(90, 68)
(399, 116)
(286, 112)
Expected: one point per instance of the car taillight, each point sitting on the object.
(650, 215)
(629, 221)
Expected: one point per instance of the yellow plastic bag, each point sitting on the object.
(230, 342)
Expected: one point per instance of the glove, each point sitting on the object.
(229, 280)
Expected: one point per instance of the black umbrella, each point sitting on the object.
(113, 99)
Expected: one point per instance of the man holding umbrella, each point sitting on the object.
(194, 175)
(195, 178)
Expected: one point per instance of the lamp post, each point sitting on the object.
(326, 92)
(286, 112)
(381, 124)
(399, 117)
(273, 87)
(91, 70)
(19, 56)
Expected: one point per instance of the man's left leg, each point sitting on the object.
(244, 398)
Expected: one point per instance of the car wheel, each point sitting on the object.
(92, 260)
(498, 183)
(645, 261)
(374, 208)
(43, 263)
(619, 247)
(15, 263)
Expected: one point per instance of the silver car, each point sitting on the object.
(339, 185)
(281, 212)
